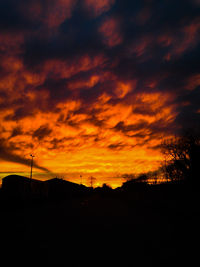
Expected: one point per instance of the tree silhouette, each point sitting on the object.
(182, 157)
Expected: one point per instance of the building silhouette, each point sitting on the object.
(20, 186)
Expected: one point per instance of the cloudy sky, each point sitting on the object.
(92, 87)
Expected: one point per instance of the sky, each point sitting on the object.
(92, 87)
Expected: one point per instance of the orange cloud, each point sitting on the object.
(188, 39)
(11, 42)
(191, 34)
(124, 88)
(80, 84)
(96, 8)
(65, 69)
(110, 30)
(193, 82)
(58, 12)
(50, 15)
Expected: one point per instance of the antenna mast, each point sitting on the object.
(31, 174)
(92, 179)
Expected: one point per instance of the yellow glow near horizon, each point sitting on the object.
(72, 144)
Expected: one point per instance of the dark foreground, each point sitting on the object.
(148, 226)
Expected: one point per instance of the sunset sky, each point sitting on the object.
(92, 87)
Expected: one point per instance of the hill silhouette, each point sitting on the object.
(141, 225)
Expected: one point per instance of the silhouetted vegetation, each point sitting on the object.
(135, 183)
(182, 158)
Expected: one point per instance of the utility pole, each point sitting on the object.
(92, 179)
(32, 156)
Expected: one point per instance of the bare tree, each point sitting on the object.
(182, 157)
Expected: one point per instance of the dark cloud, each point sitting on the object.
(90, 95)
(13, 19)
(131, 127)
(140, 55)
(117, 146)
(189, 112)
(20, 113)
(57, 89)
(7, 153)
(42, 132)
(95, 121)
(16, 131)
(57, 143)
